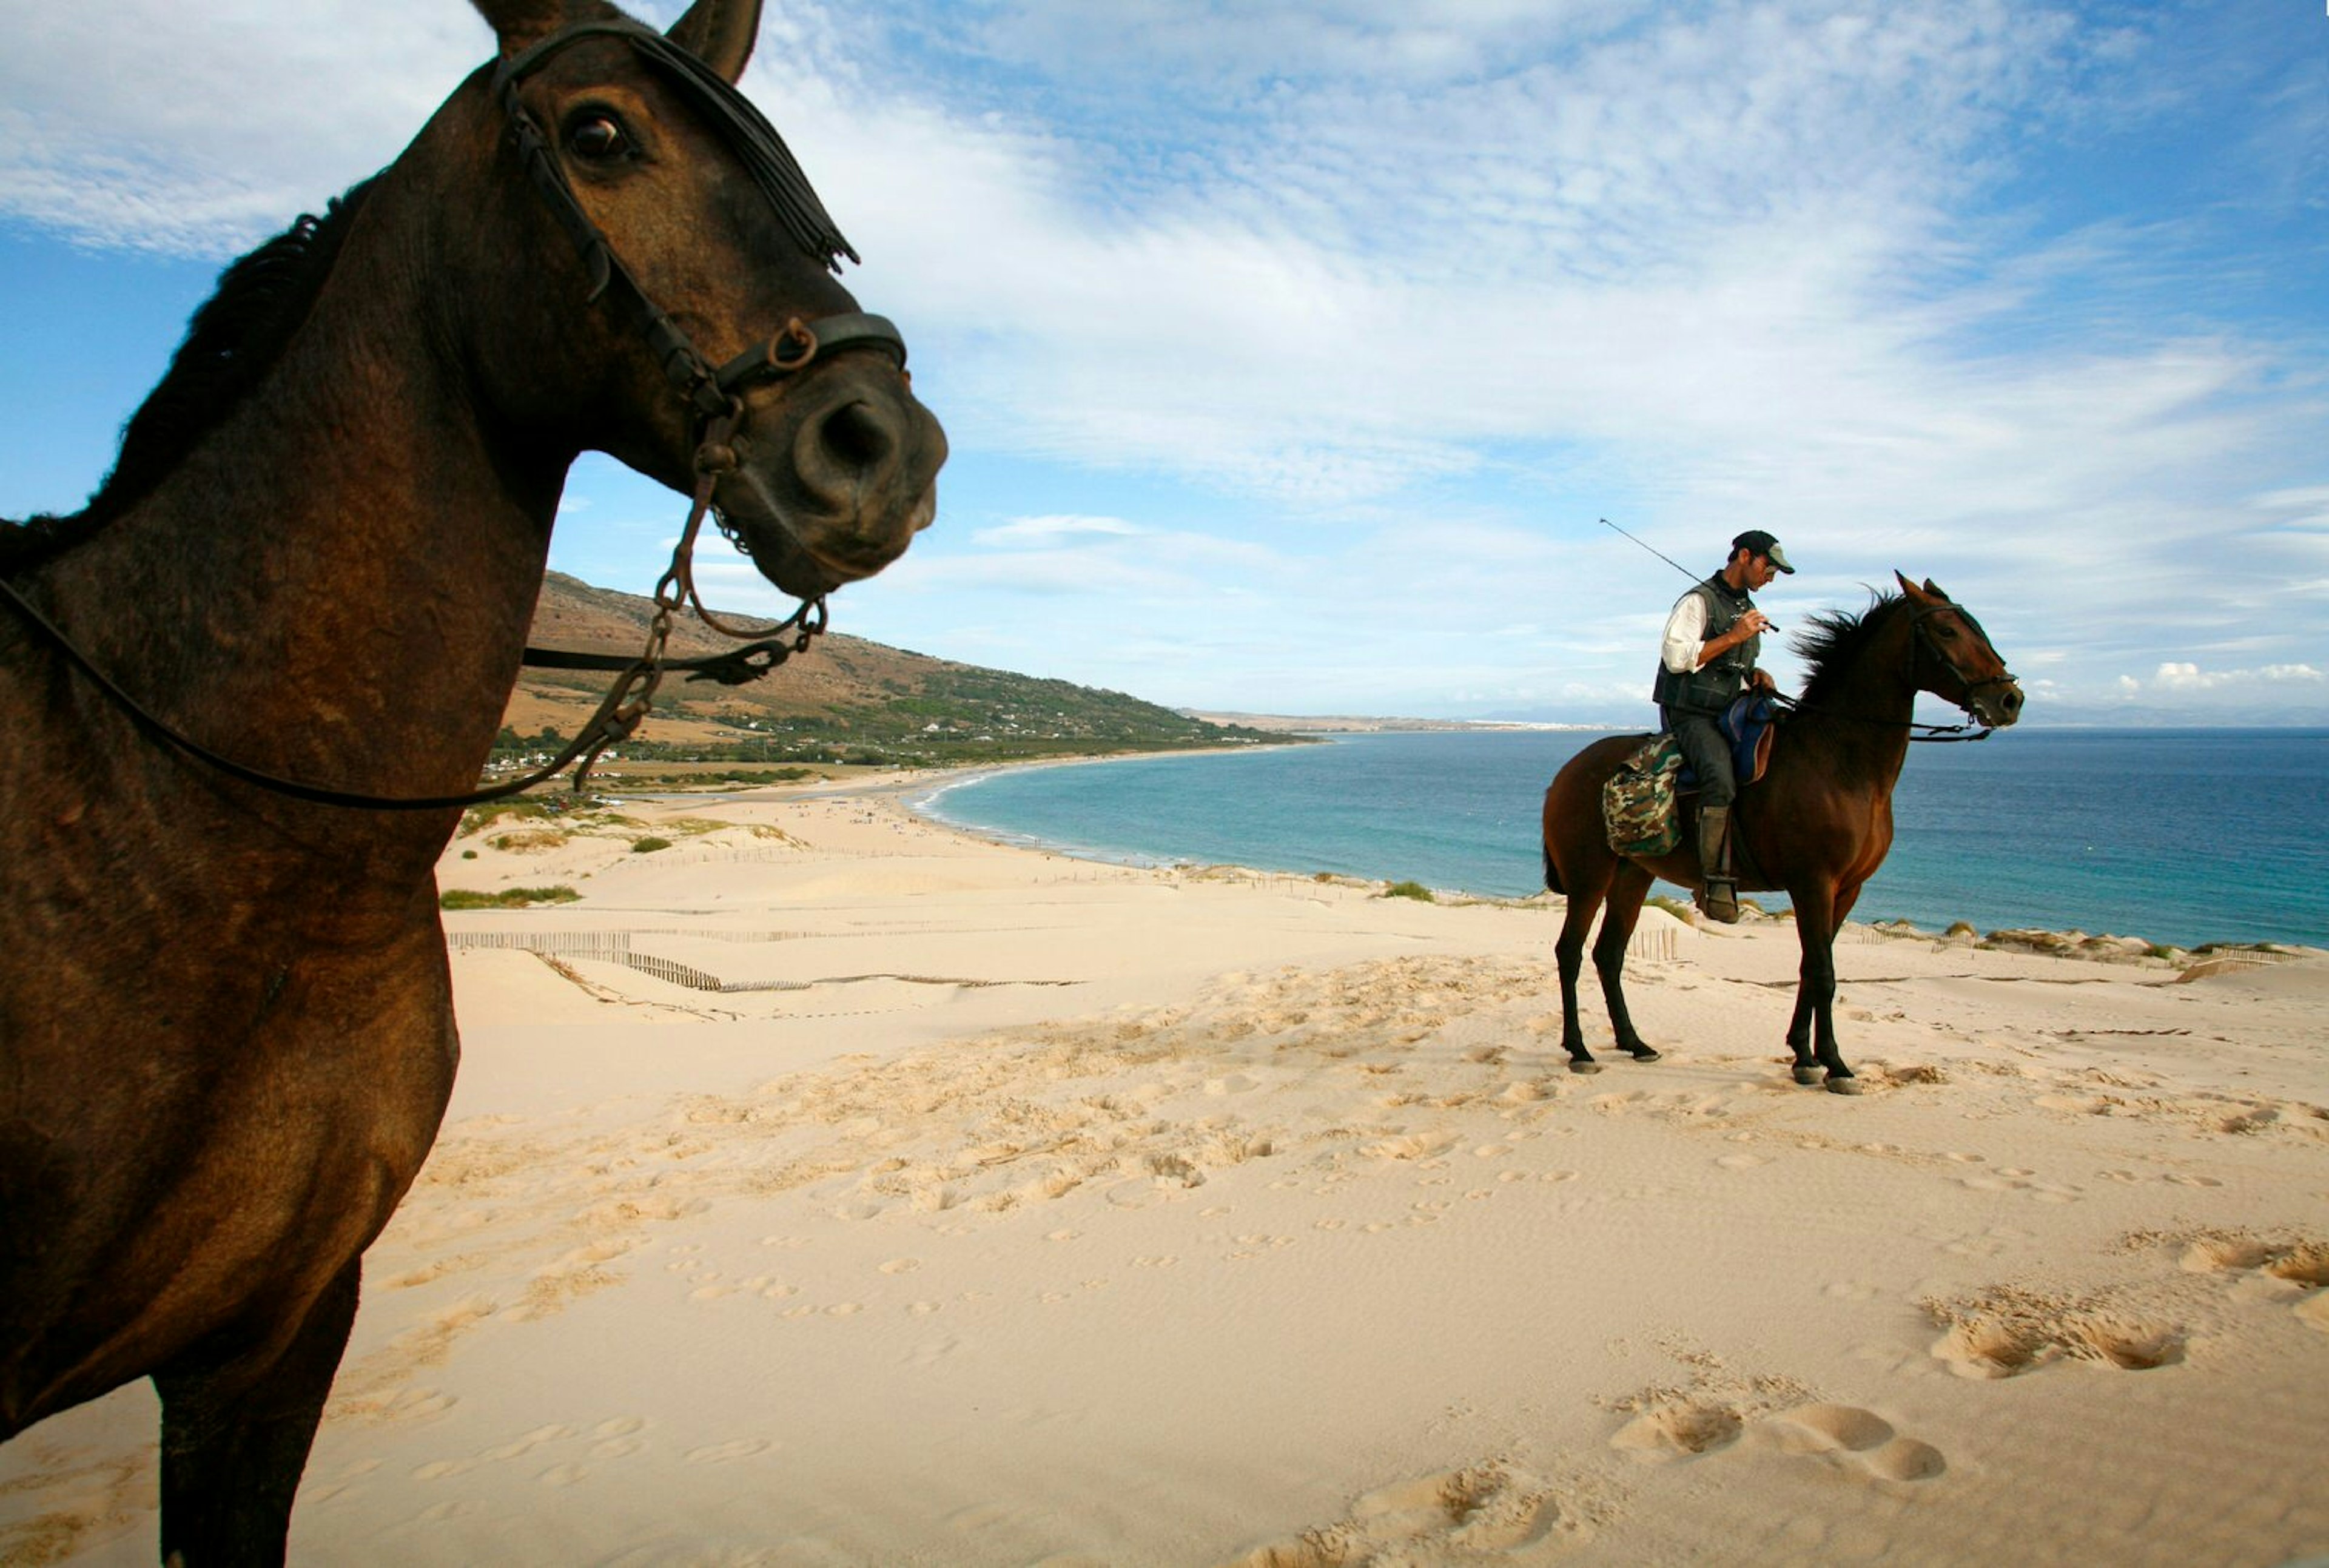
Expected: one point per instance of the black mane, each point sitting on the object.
(1835, 640)
(232, 342)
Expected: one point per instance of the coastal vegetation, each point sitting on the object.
(505, 898)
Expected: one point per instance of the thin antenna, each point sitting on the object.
(1768, 624)
(1653, 550)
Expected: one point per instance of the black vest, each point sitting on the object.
(1710, 688)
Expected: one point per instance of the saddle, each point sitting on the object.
(1642, 811)
(1746, 724)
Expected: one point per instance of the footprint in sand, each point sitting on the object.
(2012, 1179)
(527, 1443)
(2007, 1341)
(1679, 1429)
(2270, 1272)
(1854, 1439)
(617, 1436)
(405, 1404)
(1487, 1510)
(723, 1453)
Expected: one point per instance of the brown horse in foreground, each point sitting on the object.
(226, 1030)
(1817, 824)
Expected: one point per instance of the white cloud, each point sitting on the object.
(200, 129)
(1022, 532)
(1419, 287)
(2185, 677)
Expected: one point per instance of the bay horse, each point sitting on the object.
(226, 1029)
(1817, 824)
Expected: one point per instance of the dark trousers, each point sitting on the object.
(1708, 753)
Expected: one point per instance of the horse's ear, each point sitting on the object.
(720, 32)
(1912, 590)
(519, 23)
(1934, 588)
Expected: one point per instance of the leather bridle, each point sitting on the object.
(714, 395)
(1927, 644)
(711, 390)
(1968, 687)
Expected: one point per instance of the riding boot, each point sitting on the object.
(1719, 894)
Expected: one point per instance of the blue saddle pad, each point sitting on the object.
(1746, 723)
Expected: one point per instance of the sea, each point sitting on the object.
(2179, 836)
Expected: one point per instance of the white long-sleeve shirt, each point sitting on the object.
(1685, 633)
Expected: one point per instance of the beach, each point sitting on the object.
(827, 1187)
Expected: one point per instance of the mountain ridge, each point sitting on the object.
(846, 699)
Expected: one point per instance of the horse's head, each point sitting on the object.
(667, 291)
(1956, 660)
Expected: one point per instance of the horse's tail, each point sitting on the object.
(1552, 875)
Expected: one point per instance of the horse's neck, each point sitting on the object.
(335, 584)
(1858, 729)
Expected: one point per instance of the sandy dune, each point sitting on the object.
(995, 1208)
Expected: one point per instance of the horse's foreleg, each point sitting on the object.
(1815, 923)
(235, 1439)
(1799, 1036)
(1628, 888)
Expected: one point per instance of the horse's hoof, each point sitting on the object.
(1576, 1066)
(1805, 1072)
(1843, 1085)
(1642, 1053)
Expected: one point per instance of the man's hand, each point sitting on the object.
(1761, 681)
(1751, 624)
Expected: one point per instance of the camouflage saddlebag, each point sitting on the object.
(1638, 803)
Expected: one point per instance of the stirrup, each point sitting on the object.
(1718, 900)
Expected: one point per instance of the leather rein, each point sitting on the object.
(715, 396)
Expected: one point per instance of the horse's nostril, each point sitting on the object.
(856, 438)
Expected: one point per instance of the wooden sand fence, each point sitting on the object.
(615, 947)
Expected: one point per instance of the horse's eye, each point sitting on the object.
(597, 136)
(1944, 629)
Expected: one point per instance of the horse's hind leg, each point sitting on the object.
(1577, 920)
(235, 1439)
(1628, 888)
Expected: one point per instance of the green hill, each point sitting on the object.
(846, 701)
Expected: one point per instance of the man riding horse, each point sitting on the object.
(1706, 661)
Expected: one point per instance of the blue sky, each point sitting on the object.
(1291, 353)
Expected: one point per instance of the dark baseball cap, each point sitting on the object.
(1755, 542)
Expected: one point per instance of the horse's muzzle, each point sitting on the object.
(835, 476)
(1996, 704)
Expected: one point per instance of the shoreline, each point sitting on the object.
(2060, 939)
